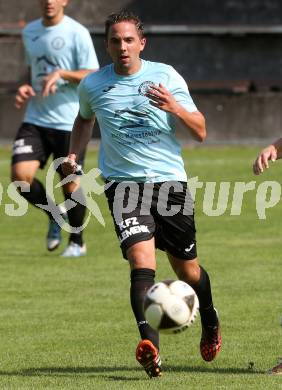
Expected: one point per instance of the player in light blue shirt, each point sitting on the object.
(133, 132)
(59, 52)
(137, 104)
(49, 49)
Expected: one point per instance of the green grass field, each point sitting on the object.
(67, 323)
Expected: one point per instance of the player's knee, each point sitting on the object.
(18, 175)
(139, 258)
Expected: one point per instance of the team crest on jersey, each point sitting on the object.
(144, 87)
(58, 43)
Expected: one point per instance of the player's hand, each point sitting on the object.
(69, 166)
(50, 83)
(161, 98)
(23, 94)
(261, 163)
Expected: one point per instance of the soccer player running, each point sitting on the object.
(272, 152)
(137, 103)
(60, 53)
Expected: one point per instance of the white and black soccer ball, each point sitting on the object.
(171, 306)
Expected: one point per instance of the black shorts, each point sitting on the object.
(161, 210)
(34, 142)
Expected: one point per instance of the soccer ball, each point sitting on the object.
(171, 306)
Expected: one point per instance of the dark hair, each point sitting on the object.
(124, 16)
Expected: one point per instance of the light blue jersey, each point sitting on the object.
(137, 139)
(68, 46)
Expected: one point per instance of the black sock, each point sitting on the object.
(203, 291)
(141, 280)
(76, 217)
(37, 195)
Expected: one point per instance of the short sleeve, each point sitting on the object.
(86, 54)
(179, 89)
(84, 103)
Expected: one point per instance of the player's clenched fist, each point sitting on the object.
(161, 98)
(23, 94)
(69, 166)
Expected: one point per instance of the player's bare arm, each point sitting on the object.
(161, 98)
(72, 76)
(271, 153)
(81, 135)
(24, 92)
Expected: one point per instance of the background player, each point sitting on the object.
(60, 53)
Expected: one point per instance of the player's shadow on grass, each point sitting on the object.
(104, 372)
(213, 370)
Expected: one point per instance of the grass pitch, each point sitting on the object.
(67, 323)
